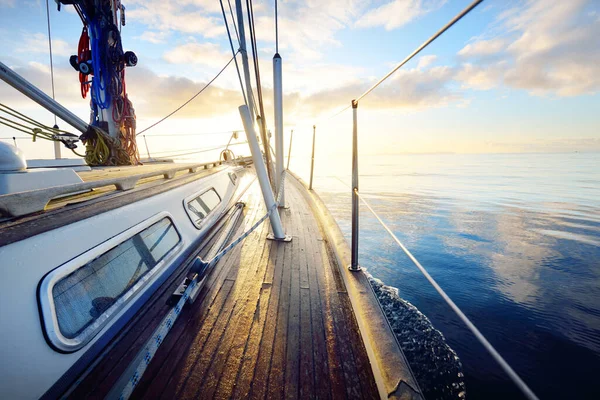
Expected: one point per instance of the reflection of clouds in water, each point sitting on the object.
(541, 261)
(551, 271)
(512, 238)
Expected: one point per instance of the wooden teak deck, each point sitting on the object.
(274, 320)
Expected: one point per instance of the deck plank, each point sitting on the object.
(274, 321)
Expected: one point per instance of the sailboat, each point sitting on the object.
(127, 279)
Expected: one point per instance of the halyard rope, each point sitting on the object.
(152, 345)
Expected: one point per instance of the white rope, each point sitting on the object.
(488, 346)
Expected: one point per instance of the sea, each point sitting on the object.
(513, 239)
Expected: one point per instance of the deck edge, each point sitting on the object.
(394, 378)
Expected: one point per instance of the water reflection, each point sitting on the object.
(517, 248)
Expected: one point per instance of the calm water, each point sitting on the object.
(513, 239)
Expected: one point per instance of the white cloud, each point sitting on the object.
(483, 48)
(38, 43)
(410, 89)
(7, 3)
(209, 54)
(185, 16)
(154, 37)
(65, 78)
(550, 48)
(480, 77)
(425, 61)
(397, 13)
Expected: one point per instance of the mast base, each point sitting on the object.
(286, 238)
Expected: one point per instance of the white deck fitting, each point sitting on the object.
(78, 164)
(38, 179)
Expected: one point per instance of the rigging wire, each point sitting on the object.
(237, 34)
(196, 151)
(196, 134)
(263, 131)
(488, 346)
(50, 47)
(27, 120)
(425, 44)
(237, 67)
(192, 98)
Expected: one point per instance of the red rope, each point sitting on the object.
(84, 54)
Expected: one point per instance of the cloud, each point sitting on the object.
(397, 13)
(480, 77)
(154, 37)
(411, 89)
(425, 61)
(186, 16)
(209, 54)
(483, 48)
(549, 48)
(7, 3)
(65, 78)
(38, 43)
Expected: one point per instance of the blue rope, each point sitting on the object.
(100, 77)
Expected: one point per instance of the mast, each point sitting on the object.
(101, 63)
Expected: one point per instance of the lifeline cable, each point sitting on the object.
(192, 98)
(425, 44)
(487, 345)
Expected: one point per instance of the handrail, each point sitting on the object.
(486, 344)
(23, 203)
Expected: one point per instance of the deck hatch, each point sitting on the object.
(79, 298)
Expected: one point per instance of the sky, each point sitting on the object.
(512, 76)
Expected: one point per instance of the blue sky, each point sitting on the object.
(513, 76)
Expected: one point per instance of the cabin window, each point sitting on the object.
(199, 207)
(84, 298)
